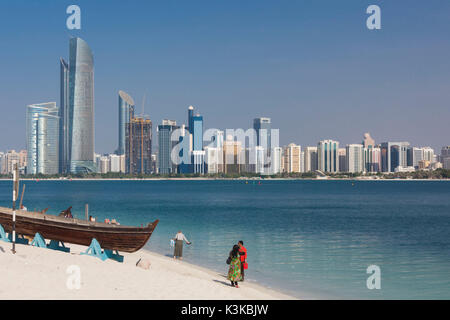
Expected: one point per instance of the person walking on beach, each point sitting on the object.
(178, 251)
(234, 272)
(243, 257)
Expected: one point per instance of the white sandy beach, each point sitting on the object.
(39, 273)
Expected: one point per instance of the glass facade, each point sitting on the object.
(42, 138)
(165, 145)
(126, 113)
(81, 107)
(198, 133)
(327, 156)
(64, 154)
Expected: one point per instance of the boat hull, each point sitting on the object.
(112, 237)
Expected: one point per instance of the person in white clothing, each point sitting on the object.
(178, 251)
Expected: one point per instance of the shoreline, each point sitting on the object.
(40, 273)
(218, 179)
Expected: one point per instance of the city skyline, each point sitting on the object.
(385, 86)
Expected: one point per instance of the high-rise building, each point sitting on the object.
(165, 145)
(233, 156)
(445, 152)
(368, 141)
(372, 159)
(327, 156)
(310, 159)
(393, 155)
(197, 133)
(292, 158)
(126, 113)
(138, 152)
(115, 163)
(77, 109)
(263, 128)
(414, 156)
(355, 158)
(42, 138)
(342, 154)
(105, 164)
(277, 161)
(428, 154)
(64, 143)
(190, 127)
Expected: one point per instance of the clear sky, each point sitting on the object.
(312, 66)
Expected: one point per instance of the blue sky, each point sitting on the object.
(312, 66)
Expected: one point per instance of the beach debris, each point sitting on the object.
(143, 263)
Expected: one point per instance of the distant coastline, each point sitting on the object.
(225, 179)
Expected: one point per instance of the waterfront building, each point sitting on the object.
(310, 159)
(445, 152)
(414, 156)
(197, 136)
(355, 158)
(393, 155)
(277, 161)
(233, 156)
(372, 159)
(42, 138)
(342, 154)
(212, 160)
(165, 145)
(138, 146)
(327, 156)
(424, 164)
(105, 165)
(198, 157)
(190, 127)
(428, 154)
(446, 163)
(263, 127)
(368, 141)
(292, 158)
(126, 113)
(77, 109)
(115, 162)
(64, 143)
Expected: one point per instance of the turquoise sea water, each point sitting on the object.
(308, 238)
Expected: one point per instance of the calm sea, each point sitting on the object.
(313, 238)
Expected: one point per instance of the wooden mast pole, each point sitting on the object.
(15, 192)
(21, 198)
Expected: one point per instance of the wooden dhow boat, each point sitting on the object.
(77, 231)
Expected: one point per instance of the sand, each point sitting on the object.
(39, 273)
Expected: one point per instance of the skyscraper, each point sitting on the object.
(310, 159)
(368, 141)
(165, 145)
(263, 128)
(197, 132)
(42, 138)
(190, 127)
(126, 113)
(64, 152)
(393, 155)
(138, 137)
(292, 158)
(327, 156)
(80, 115)
(355, 158)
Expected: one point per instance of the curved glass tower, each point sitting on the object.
(81, 107)
(42, 138)
(126, 113)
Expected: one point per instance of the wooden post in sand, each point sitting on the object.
(15, 192)
(86, 211)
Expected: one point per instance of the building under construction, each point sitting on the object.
(138, 153)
